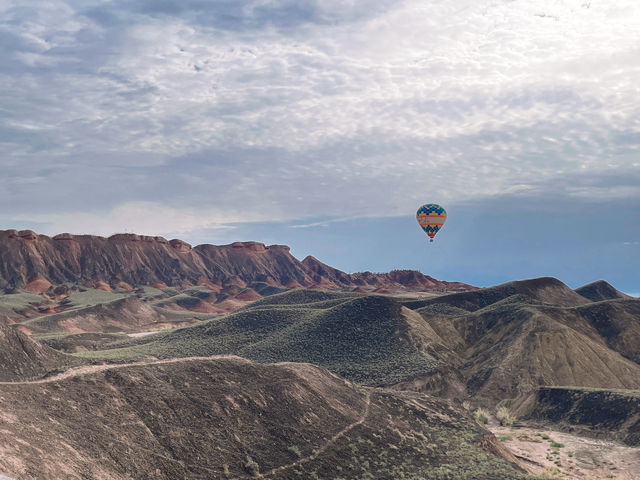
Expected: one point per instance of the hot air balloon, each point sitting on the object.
(431, 217)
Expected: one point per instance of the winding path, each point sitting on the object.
(88, 369)
(317, 452)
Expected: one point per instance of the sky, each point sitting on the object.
(324, 125)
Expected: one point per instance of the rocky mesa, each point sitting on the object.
(36, 262)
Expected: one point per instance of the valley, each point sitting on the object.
(246, 374)
(558, 454)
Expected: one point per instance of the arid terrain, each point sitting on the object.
(556, 454)
(36, 262)
(224, 418)
(134, 357)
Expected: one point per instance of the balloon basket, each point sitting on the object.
(431, 240)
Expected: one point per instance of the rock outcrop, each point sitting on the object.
(32, 261)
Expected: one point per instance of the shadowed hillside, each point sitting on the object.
(308, 298)
(22, 358)
(227, 418)
(601, 413)
(538, 290)
(600, 290)
(618, 323)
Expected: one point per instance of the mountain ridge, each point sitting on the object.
(600, 290)
(490, 344)
(38, 262)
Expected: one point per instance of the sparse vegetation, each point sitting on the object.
(551, 472)
(505, 417)
(22, 358)
(77, 342)
(481, 416)
(295, 450)
(19, 301)
(252, 467)
(614, 416)
(401, 435)
(92, 297)
(364, 338)
(354, 335)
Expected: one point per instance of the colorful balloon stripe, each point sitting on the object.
(430, 209)
(431, 228)
(431, 217)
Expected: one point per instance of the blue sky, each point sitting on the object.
(324, 125)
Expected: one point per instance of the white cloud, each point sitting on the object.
(324, 223)
(318, 109)
(145, 218)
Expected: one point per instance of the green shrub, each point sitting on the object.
(550, 472)
(295, 450)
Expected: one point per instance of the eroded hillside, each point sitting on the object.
(227, 418)
(38, 263)
(515, 337)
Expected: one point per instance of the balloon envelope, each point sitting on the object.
(431, 217)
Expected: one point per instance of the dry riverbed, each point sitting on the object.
(568, 456)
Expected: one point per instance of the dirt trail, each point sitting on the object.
(323, 448)
(87, 369)
(579, 458)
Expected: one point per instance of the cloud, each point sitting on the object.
(324, 223)
(146, 218)
(307, 109)
(242, 15)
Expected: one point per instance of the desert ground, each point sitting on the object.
(556, 454)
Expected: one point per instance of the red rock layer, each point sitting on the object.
(126, 260)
